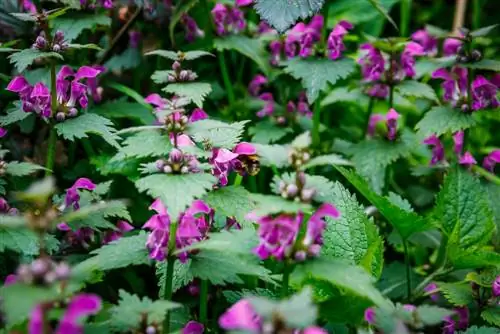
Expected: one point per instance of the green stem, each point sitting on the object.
(405, 17)
(238, 179)
(391, 96)
(441, 257)
(285, 280)
(51, 152)
(169, 274)
(476, 14)
(316, 123)
(408, 269)
(487, 175)
(88, 147)
(203, 301)
(225, 77)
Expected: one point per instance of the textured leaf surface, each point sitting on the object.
(130, 310)
(273, 155)
(480, 330)
(406, 223)
(281, 14)
(315, 74)
(416, 89)
(181, 278)
(486, 64)
(268, 204)
(14, 115)
(22, 59)
(148, 143)
(73, 26)
(327, 160)
(168, 188)
(216, 133)
(18, 240)
(344, 94)
(249, 47)
(193, 91)
(16, 168)
(237, 242)
(443, 119)
(172, 55)
(432, 315)
(392, 283)
(232, 201)
(124, 109)
(265, 132)
(459, 294)
(81, 126)
(492, 316)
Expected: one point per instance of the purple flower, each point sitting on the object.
(459, 320)
(275, 47)
(392, 123)
(197, 114)
(3, 132)
(193, 327)
(303, 105)
(335, 43)
(80, 306)
(82, 236)
(72, 196)
(467, 160)
(378, 90)
(491, 160)
(316, 226)
(265, 28)
(372, 123)
(450, 46)
(122, 226)
(93, 85)
(29, 6)
(370, 315)
(241, 316)
(242, 3)
(372, 63)
(495, 287)
(268, 108)
(432, 289)
(293, 38)
(191, 28)
(310, 35)
(225, 161)
(484, 94)
(10, 279)
(256, 84)
(437, 156)
(454, 84)
(411, 50)
(134, 39)
(227, 19)
(495, 79)
(458, 140)
(219, 15)
(429, 43)
(33, 99)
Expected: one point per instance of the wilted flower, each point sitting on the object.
(491, 160)
(122, 227)
(193, 327)
(191, 28)
(437, 151)
(428, 42)
(335, 43)
(80, 306)
(243, 159)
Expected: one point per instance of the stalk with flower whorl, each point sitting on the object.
(228, 19)
(193, 226)
(242, 159)
(390, 121)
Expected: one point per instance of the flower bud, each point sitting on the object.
(4, 206)
(176, 66)
(292, 190)
(192, 76)
(476, 55)
(282, 186)
(465, 107)
(167, 169)
(56, 48)
(50, 277)
(184, 75)
(300, 256)
(60, 116)
(24, 274)
(160, 164)
(62, 271)
(194, 290)
(39, 267)
(307, 194)
(306, 156)
(301, 179)
(150, 330)
(281, 120)
(73, 112)
(184, 170)
(175, 156)
(183, 120)
(171, 78)
(314, 250)
(59, 36)
(40, 43)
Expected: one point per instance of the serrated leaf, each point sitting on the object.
(315, 74)
(492, 316)
(81, 126)
(216, 133)
(406, 223)
(432, 315)
(268, 204)
(483, 31)
(122, 109)
(172, 55)
(443, 119)
(193, 91)
(143, 144)
(14, 115)
(281, 14)
(458, 294)
(22, 59)
(322, 186)
(342, 275)
(416, 89)
(131, 310)
(265, 132)
(232, 201)
(485, 278)
(345, 94)
(480, 330)
(237, 242)
(249, 47)
(126, 251)
(21, 241)
(16, 168)
(168, 188)
(462, 209)
(473, 258)
(94, 216)
(181, 277)
(328, 160)
(273, 155)
(485, 64)
(78, 22)
(161, 77)
(128, 59)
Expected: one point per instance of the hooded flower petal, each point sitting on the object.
(241, 316)
(437, 150)
(467, 159)
(491, 160)
(18, 84)
(72, 196)
(458, 139)
(86, 72)
(198, 114)
(193, 327)
(245, 148)
(81, 305)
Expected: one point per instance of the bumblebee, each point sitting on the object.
(250, 164)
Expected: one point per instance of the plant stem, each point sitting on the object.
(487, 175)
(169, 274)
(285, 280)
(405, 17)
(476, 14)
(371, 103)
(441, 257)
(226, 79)
(203, 301)
(52, 141)
(408, 269)
(316, 123)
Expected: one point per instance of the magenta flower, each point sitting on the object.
(372, 123)
(72, 93)
(491, 160)
(378, 90)
(191, 28)
(192, 227)
(275, 47)
(106, 4)
(122, 226)
(311, 35)
(411, 50)
(370, 315)
(467, 160)
(10, 279)
(72, 196)
(3, 132)
(93, 85)
(193, 327)
(432, 289)
(458, 140)
(293, 38)
(484, 94)
(316, 226)
(437, 152)
(197, 114)
(459, 320)
(335, 43)
(225, 161)
(450, 46)
(157, 101)
(227, 19)
(303, 105)
(268, 108)
(242, 3)
(495, 287)
(256, 84)
(264, 28)
(391, 122)
(80, 306)
(33, 99)
(29, 6)
(454, 84)
(372, 63)
(219, 15)
(428, 42)
(241, 316)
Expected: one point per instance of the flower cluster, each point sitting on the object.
(243, 159)
(298, 156)
(58, 44)
(430, 43)
(192, 31)
(389, 122)
(180, 75)
(297, 190)
(91, 4)
(278, 235)
(459, 320)
(42, 271)
(335, 44)
(228, 19)
(192, 226)
(178, 163)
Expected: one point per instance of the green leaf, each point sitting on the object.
(273, 155)
(485, 278)
(378, 6)
(179, 56)
(14, 115)
(268, 204)
(485, 64)
(182, 276)
(392, 283)
(19, 300)
(443, 119)
(193, 91)
(432, 315)
(483, 31)
(473, 258)
(216, 133)
(351, 235)
(480, 330)
(492, 316)
(78, 22)
(131, 310)
(85, 46)
(143, 144)
(122, 109)
(458, 294)
(343, 275)
(315, 74)
(416, 89)
(237, 242)
(128, 59)
(232, 201)
(265, 132)
(16, 168)
(462, 209)
(22, 59)
(22, 241)
(81, 126)
(328, 160)
(406, 223)
(168, 188)
(252, 48)
(124, 252)
(345, 94)
(281, 14)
